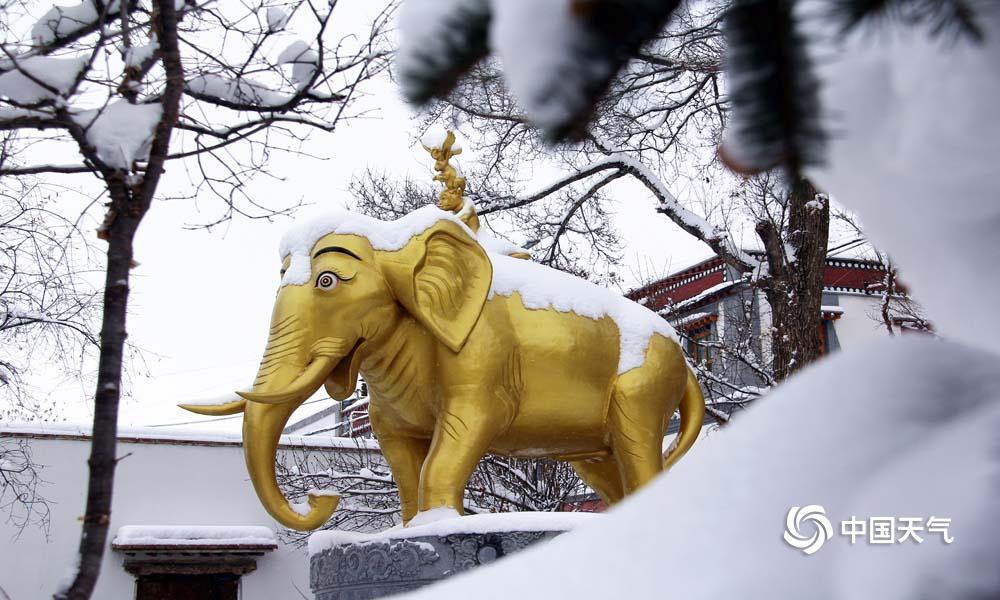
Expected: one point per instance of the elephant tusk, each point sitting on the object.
(216, 407)
(307, 383)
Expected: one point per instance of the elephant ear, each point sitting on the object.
(442, 277)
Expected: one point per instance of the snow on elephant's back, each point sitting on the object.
(538, 286)
(542, 287)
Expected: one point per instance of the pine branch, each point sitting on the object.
(775, 95)
(950, 17)
(613, 33)
(449, 48)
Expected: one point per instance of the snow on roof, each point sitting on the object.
(195, 535)
(538, 286)
(482, 523)
(178, 435)
(838, 310)
(693, 300)
(691, 318)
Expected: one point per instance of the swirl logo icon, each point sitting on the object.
(814, 516)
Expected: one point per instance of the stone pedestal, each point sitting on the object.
(350, 566)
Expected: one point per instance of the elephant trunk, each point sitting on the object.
(262, 426)
(290, 372)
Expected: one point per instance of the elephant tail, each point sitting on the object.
(692, 416)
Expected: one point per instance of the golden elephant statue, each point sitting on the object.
(466, 352)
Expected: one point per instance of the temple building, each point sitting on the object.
(724, 323)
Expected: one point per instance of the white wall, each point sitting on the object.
(856, 326)
(158, 484)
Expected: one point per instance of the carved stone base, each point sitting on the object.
(347, 566)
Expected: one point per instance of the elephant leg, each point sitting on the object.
(464, 431)
(636, 439)
(603, 476)
(405, 456)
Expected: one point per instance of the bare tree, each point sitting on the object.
(49, 306)
(20, 480)
(49, 317)
(130, 87)
(792, 220)
(734, 367)
(897, 311)
(370, 498)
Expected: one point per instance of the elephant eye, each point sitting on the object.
(326, 280)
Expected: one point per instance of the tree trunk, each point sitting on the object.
(129, 205)
(104, 436)
(794, 288)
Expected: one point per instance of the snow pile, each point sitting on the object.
(303, 59)
(915, 155)
(436, 136)
(16, 311)
(541, 287)
(236, 91)
(120, 131)
(382, 235)
(484, 523)
(135, 56)
(194, 535)
(304, 508)
(57, 74)
(538, 286)
(910, 433)
(64, 21)
(277, 19)
(497, 246)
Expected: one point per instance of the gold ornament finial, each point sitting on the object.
(452, 198)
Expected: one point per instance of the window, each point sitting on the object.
(697, 348)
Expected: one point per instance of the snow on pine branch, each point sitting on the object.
(559, 56)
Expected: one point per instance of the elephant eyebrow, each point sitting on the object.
(336, 249)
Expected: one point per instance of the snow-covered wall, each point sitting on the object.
(167, 480)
